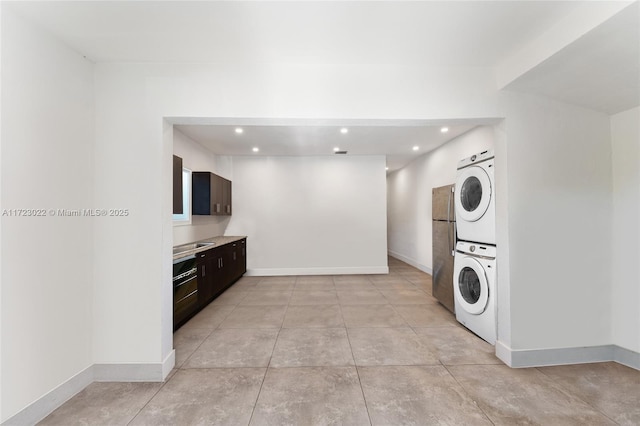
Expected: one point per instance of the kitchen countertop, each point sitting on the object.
(188, 249)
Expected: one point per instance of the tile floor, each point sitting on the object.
(350, 350)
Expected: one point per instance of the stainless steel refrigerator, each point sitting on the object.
(444, 243)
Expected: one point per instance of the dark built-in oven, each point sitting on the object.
(185, 289)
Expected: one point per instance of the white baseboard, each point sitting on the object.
(626, 357)
(168, 364)
(410, 261)
(45, 405)
(562, 356)
(357, 270)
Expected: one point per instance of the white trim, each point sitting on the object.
(45, 405)
(626, 357)
(168, 364)
(128, 372)
(358, 270)
(410, 261)
(562, 356)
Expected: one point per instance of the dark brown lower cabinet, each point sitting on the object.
(218, 268)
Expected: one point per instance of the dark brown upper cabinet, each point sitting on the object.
(177, 185)
(211, 194)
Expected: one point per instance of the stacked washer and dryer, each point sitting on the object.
(474, 270)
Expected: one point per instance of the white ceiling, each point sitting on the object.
(598, 70)
(396, 139)
(469, 33)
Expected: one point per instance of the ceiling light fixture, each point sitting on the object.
(415, 148)
(344, 130)
(444, 129)
(256, 149)
(386, 168)
(239, 130)
(336, 149)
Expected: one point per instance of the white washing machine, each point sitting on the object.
(475, 204)
(474, 288)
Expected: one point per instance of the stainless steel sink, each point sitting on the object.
(204, 244)
(192, 246)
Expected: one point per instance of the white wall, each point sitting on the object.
(409, 195)
(311, 215)
(625, 142)
(559, 225)
(47, 163)
(133, 146)
(197, 158)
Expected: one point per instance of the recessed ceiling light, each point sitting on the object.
(415, 148)
(344, 130)
(256, 149)
(336, 149)
(239, 130)
(386, 168)
(444, 129)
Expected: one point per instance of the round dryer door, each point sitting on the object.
(472, 290)
(473, 193)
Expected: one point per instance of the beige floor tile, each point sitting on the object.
(612, 388)
(186, 341)
(389, 346)
(104, 404)
(255, 317)
(274, 286)
(428, 315)
(407, 297)
(354, 279)
(385, 278)
(271, 297)
(398, 285)
(289, 279)
(417, 395)
(456, 345)
(299, 347)
(311, 396)
(221, 396)
(361, 297)
(314, 297)
(209, 318)
(305, 280)
(523, 396)
(234, 348)
(313, 316)
(371, 316)
(355, 286)
(230, 297)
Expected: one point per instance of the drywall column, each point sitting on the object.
(625, 142)
(47, 239)
(559, 230)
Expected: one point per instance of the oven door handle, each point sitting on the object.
(184, 282)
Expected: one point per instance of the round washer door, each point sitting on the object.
(471, 288)
(473, 193)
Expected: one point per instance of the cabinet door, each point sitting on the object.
(217, 194)
(243, 256)
(177, 185)
(205, 275)
(201, 193)
(226, 197)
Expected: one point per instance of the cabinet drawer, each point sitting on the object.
(186, 306)
(185, 289)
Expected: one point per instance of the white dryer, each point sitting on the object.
(475, 204)
(474, 288)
